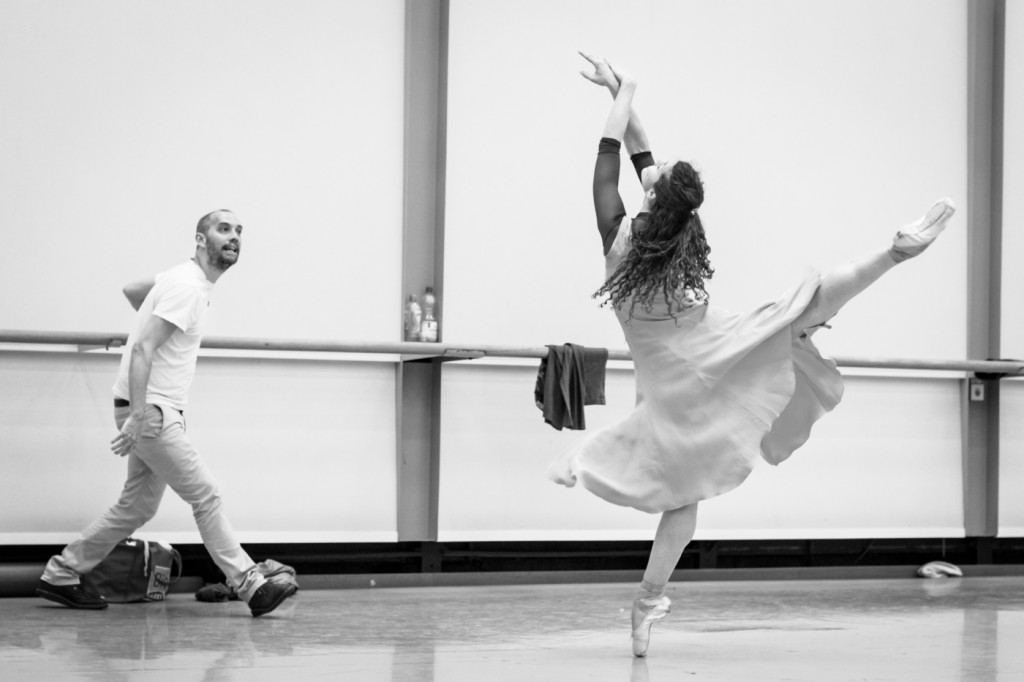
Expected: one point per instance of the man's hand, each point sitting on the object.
(603, 74)
(124, 442)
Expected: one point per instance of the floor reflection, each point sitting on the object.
(639, 671)
(951, 629)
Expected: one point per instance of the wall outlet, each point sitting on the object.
(977, 390)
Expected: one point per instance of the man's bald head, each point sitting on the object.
(211, 219)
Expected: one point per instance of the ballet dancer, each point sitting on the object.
(150, 393)
(715, 390)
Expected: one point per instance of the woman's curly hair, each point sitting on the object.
(670, 253)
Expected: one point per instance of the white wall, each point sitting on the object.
(303, 450)
(1011, 441)
(885, 463)
(124, 121)
(121, 123)
(820, 128)
(1012, 342)
(1011, 459)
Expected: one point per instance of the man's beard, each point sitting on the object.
(221, 262)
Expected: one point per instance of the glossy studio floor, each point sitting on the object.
(968, 628)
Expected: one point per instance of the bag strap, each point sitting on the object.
(176, 559)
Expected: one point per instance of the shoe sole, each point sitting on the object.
(277, 602)
(54, 597)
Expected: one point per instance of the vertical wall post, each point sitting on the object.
(418, 383)
(980, 396)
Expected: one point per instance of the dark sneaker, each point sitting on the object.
(71, 596)
(269, 596)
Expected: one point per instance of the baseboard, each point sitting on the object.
(19, 580)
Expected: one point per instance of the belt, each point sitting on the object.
(121, 402)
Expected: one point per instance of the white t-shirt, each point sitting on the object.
(182, 297)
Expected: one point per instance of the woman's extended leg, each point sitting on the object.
(845, 282)
(675, 530)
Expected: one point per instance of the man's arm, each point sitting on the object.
(154, 334)
(137, 291)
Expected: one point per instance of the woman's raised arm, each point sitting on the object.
(635, 139)
(608, 205)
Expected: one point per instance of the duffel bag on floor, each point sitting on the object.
(135, 570)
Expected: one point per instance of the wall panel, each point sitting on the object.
(1012, 345)
(820, 128)
(303, 450)
(885, 463)
(123, 122)
(1011, 459)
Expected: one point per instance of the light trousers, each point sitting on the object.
(163, 457)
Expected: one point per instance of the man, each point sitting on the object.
(149, 399)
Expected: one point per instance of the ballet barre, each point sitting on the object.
(990, 369)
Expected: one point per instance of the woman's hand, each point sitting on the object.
(603, 74)
(634, 137)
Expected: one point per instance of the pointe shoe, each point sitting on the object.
(914, 238)
(646, 610)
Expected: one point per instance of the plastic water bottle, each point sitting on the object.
(428, 329)
(413, 319)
